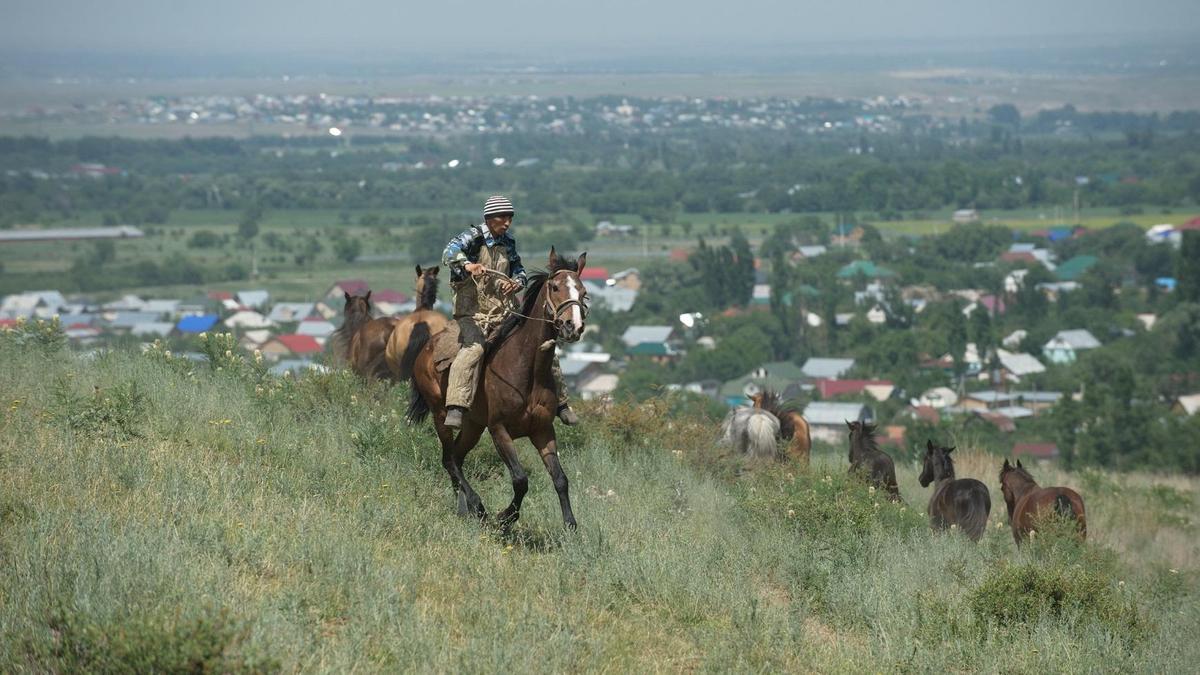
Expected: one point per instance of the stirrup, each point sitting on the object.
(567, 415)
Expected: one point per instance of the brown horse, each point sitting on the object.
(1028, 503)
(360, 340)
(516, 396)
(961, 502)
(424, 319)
(868, 461)
(792, 425)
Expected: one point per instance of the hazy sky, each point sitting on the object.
(404, 25)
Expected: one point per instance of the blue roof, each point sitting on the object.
(197, 324)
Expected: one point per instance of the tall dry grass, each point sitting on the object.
(157, 514)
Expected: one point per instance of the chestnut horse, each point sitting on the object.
(400, 353)
(962, 502)
(516, 396)
(792, 425)
(360, 340)
(1028, 503)
(868, 461)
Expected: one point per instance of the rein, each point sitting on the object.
(553, 311)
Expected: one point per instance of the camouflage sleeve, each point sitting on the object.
(455, 255)
(515, 269)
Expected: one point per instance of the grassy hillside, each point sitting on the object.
(162, 514)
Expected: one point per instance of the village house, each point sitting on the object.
(1066, 344)
(880, 390)
(816, 368)
(782, 377)
(599, 387)
(291, 312)
(290, 346)
(827, 420)
(1038, 451)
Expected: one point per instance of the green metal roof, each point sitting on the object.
(1074, 268)
(866, 268)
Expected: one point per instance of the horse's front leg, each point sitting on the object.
(454, 450)
(547, 445)
(520, 481)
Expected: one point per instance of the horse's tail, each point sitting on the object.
(417, 340)
(801, 446)
(976, 506)
(761, 432)
(1064, 508)
(418, 408)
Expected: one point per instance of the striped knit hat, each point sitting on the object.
(497, 205)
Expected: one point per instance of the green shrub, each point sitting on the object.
(1012, 595)
(112, 411)
(72, 640)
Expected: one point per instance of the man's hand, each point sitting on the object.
(475, 269)
(510, 286)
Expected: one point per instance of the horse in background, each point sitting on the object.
(361, 339)
(792, 425)
(752, 432)
(1028, 503)
(962, 502)
(868, 461)
(416, 328)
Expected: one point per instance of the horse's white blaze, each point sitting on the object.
(576, 316)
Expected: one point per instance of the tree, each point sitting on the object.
(1188, 268)
(1005, 113)
(248, 224)
(347, 248)
(103, 251)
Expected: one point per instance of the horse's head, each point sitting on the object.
(427, 280)
(1011, 479)
(860, 429)
(566, 298)
(357, 305)
(938, 464)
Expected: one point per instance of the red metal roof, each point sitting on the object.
(353, 286)
(1039, 450)
(220, 295)
(831, 388)
(1193, 224)
(389, 295)
(299, 344)
(594, 274)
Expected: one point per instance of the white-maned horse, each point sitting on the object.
(752, 432)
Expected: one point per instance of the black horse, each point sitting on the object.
(868, 461)
(963, 502)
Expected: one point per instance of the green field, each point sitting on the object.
(40, 262)
(159, 516)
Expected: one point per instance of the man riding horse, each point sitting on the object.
(485, 274)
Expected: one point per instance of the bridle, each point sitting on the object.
(555, 311)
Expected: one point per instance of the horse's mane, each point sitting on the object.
(428, 292)
(782, 409)
(943, 463)
(865, 440)
(340, 339)
(1019, 471)
(533, 290)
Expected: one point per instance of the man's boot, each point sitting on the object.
(567, 415)
(454, 417)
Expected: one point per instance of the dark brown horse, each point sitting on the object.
(962, 502)
(792, 425)
(361, 340)
(1028, 503)
(868, 461)
(516, 396)
(401, 347)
